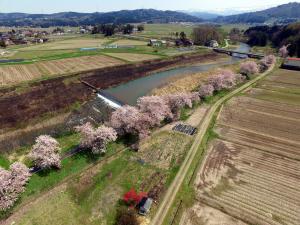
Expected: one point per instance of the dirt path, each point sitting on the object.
(169, 198)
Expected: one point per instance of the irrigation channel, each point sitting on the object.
(129, 92)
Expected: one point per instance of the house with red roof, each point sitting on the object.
(291, 64)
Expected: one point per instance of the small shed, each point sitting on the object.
(213, 44)
(291, 64)
(145, 206)
(157, 43)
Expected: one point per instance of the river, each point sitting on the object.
(129, 92)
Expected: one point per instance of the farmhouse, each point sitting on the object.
(291, 64)
(156, 43)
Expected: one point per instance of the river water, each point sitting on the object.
(129, 92)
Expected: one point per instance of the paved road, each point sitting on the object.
(169, 198)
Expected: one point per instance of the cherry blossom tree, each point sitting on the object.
(96, 139)
(267, 62)
(129, 120)
(224, 79)
(206, 90)
(249, 68)
(177, 101)
(283, 51)
(239, 78)
(149, 113)
(45, 152)
(155, 107)
(229, 79)
(12, 184)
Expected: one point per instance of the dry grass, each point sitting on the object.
(14, 74)
(164, 147)
(20, 137)
(133, 57)
(188, 83)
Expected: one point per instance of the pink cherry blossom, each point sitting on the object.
(45, 152)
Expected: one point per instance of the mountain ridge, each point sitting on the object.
(282, 12)
(77, 19)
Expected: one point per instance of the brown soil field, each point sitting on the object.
(267, 125)
(125, 42)
(257, 187)
(201, 214)
(275, 96)
(14, 74)
(251, 172)
(133, 57)
(56, 95)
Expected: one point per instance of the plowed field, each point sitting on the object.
(13, 74)
(252, 171)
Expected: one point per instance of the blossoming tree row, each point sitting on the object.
(139, 120)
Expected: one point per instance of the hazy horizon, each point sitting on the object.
(54, 6)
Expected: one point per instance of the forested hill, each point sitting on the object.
(283, 13)
(77, 19)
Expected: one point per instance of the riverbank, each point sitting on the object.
(190, 82)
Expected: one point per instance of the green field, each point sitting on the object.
(165, 30)
(69, 45)
(227, 27)
(87, 189)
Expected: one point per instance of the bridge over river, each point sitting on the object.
(239, 54)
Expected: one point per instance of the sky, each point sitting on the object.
(52, 6)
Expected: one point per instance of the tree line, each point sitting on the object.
(111, 29)
(277, 36)
(201, 35)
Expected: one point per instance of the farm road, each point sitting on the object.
(169, 198)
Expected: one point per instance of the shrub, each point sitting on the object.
(96, 139)
(132, 198)
(12, 184)
(126, 217)
(45, 152)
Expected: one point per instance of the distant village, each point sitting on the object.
(25, 36)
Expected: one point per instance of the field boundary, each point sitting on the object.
(185, 167)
